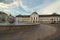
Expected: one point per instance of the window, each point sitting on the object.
(34, 18)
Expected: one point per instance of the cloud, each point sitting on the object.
(25, 7)
(6, 1)
(31, 5)
(10, 11)
(55, 7)
(16, 7)
(3, 5)
(10, 8)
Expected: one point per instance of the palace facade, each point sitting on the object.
(36, 18)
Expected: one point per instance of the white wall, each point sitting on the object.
(34, 17)
(20, 19)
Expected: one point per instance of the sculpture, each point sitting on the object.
(11, 19)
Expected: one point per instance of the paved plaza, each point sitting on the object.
(37, 33)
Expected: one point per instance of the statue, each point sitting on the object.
(11, 19)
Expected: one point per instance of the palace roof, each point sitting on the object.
(23, 16)
(2, 13)
(54, 14)
(34, 13)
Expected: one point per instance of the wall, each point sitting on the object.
(22, 19)
(34, 18)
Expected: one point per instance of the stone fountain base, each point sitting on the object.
(14, 28)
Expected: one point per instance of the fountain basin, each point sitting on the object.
(15, 28)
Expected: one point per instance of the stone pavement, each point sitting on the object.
(38, 33)
(56, 36)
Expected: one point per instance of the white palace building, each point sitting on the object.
(36, 18)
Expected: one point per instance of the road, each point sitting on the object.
(38, 33)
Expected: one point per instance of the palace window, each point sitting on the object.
(34, 18)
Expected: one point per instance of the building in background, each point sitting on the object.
(36, 18)
(3, 17)
(33, 18)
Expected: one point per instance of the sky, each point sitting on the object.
(27, 7)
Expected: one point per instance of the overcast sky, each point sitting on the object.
(26, 7)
